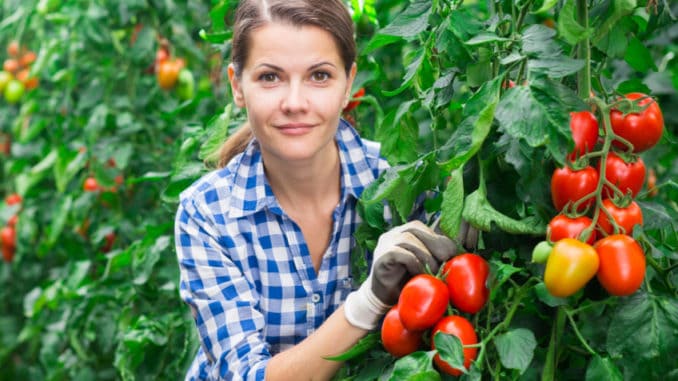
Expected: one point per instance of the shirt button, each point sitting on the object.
(315, 298)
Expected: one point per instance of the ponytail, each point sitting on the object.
(235, 144)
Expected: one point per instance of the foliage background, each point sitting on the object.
(433, 71)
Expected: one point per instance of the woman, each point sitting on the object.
(264, 243)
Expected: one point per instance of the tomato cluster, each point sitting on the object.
(171, 73)
(16, 77)
(8, 232)
(421, 311)
(596, 203)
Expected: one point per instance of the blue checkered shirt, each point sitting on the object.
(246, 271)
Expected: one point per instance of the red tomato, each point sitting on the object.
(584, 127)
(90, 185)
(626, 218)
(628, 177)
(398, 340)
(354, 103)
(466, 275)
(8, 236)
(462, 328)
(569, 186)
(423, 301)
(562, 226)
(13, 220)
(643, 129)
(109, 239)
(8, 253)
(622, 264)
(12, 199)
(13, 48)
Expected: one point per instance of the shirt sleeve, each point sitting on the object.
(223, 301)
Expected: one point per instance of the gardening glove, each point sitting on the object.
(467, 236)
(401, 253)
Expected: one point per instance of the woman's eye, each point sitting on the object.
(320, 76)
(268, 77)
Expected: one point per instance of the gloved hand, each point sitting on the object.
(401, 253)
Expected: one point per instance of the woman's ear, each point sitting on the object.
(236, 88)
(349, 83)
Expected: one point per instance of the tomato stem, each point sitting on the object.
(577, 333)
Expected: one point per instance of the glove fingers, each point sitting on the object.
(410, 243)
(440, 246)
(468, 236)
(391, 271)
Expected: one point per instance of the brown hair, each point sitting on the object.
(331, 15)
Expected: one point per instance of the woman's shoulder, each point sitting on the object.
(359, 148)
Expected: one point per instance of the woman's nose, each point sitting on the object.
(295, 99)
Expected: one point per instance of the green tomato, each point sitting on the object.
(541, 252)
(186, 85)
(204, 85)
(5, 77)
(14, 91)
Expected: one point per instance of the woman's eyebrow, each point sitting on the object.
(319, 64)
(270, 66)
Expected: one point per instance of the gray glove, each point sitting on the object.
(401, 253)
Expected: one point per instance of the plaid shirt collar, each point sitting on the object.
(251, 191)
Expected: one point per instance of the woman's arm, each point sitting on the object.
(305, 361)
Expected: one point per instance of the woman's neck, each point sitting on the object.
(305, 185)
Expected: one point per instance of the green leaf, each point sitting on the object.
(643, 331)
(479, 213)
(545, 296)
(500, 273)
(59, 216)
(639, 57)
(602, 368)
(450, 349)
(540, 114)
(479, 113)
(365, 344)
(617, 10)
(453, 204)
(218, 132)
(397, 135)
(516, 348)
(414, 364)
(26, 180)
(412, 21)
(484, 38)
(67, 165)
(555, 67)
(149, 254)
(568, 27)
(546, 5)
(412, 69)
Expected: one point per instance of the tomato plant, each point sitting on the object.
(423, 301)
(398, 340)
(570, 186)
(569, 267)
(466, 277)
(642, 129)
(463, 329)
(622, 264)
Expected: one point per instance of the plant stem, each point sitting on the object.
(549, 372)
(584, 52)
(578, 334)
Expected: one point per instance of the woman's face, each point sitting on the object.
(294, 87)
